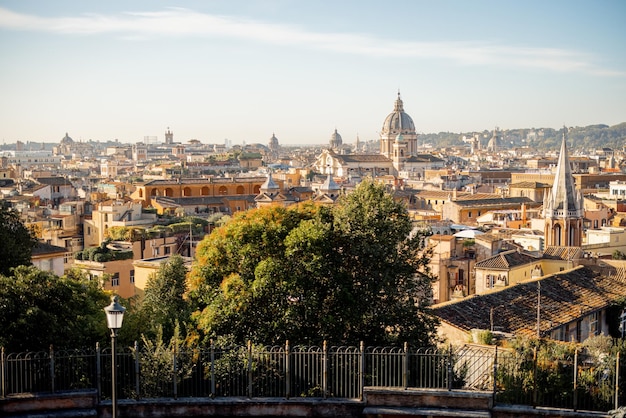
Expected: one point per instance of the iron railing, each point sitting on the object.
(551, 379)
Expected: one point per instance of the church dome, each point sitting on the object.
(273, 143)
(335, 140)
(67, 140)
(398, 122)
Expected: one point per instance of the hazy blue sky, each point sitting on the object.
(243, 70)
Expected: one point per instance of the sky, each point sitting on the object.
(245, 70)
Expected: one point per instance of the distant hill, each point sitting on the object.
(586, 138)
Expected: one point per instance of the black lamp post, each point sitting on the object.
(115, 316)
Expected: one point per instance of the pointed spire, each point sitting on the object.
(269, 186)
(564, 198)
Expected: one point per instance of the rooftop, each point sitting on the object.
(565, 296)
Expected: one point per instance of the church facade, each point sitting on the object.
(398, 151)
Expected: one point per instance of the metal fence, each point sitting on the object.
(581, 381)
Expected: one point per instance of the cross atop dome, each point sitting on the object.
(399, 106)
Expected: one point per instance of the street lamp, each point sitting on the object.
(115, 316)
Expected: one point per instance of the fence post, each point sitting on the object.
(534, 376)
(450, 367)
(361, 370)
(212, 370)
(3, 388)
(137, 371)
(175, 372)
(575, 396)
(495, 374)
(405, 366)
(324, 369)
(249, 369)
(287, 372)
(98, 373)
(617, 381)
(51, 368)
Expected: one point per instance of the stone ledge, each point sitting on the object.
(524, 411)
(74, 413)
(390, 412)
(48, 402)
(428, 398)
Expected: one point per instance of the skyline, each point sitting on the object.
(244, 70)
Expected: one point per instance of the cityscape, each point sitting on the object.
(467, 249)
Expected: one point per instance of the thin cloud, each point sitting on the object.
(187, 23)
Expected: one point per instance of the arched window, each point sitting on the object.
(205, 191)
(154, 192)
(169, 192)
(257, 189)
(556, 233)
(240, 190)
(222, 191)
(141, 193)
(187, 191)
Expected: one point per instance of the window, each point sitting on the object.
(166, 250)
(115, 280)
(489, 281)
(593, 323)
(469, 214)
(132, 277)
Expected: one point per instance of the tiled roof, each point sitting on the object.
(529, 185)
(442, 238)
(478, 196)
(563, 253)
(488, 237)
(365, 158)
(44, 248)
(506, 260)
(190, 200)
(495, 202)
(167, 182)
(424, 158)
(565, 296)
(54, 181)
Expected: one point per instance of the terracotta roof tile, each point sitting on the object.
(506, 260)
(565, 296)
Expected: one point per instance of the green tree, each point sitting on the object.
(164, 306)
(17, 241)
(351, 272)
(38, 308)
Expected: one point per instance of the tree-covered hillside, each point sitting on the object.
(586, 138)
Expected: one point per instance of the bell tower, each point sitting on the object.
(563, 208)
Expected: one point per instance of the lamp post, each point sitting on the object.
(115, 316)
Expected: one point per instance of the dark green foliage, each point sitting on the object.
(618, 255)
(16, 241)
(102, 254)
(38, 308)
(542, 372)
(163, 307)
(344, 273)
